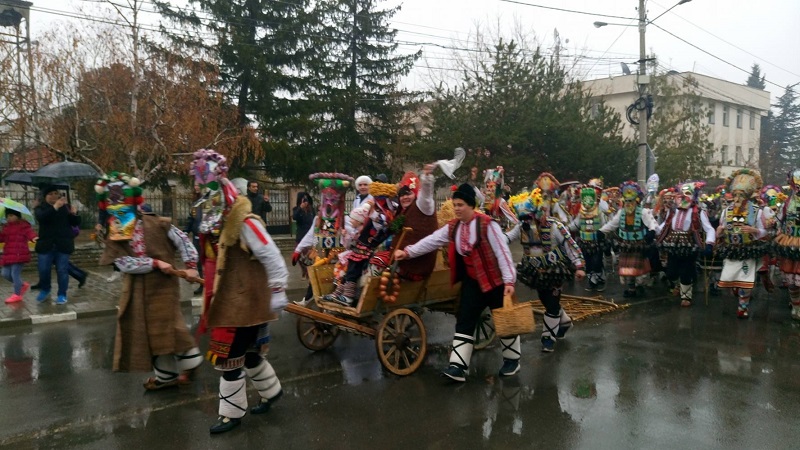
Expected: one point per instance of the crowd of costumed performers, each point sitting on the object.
(735, 233)
(739, 231)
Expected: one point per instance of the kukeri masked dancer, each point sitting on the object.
(788, 242)
(570, 199)
(634, 229)
(681, 238)
(587, 223)
(771, 200)
(494, 205)
(554, 257)
(740, 236)
(151, 331)
(480, 259)
(329, 226)
(247, 291)
(374, 231)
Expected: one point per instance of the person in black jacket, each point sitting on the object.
(261, 205)
(56, 241)
(304, 215)
(193, 228)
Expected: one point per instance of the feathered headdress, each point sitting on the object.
(630, 190)
(746, 180)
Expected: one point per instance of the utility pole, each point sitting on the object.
(644, 80)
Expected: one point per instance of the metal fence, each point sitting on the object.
(177, 205)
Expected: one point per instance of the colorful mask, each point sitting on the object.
(333, 187)
(493, 185)
(631, 194)
(794, 180)
(209, 169)
(770, 194)
(588, 200)
(119, 195)
(742, 184)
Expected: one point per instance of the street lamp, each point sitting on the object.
(644, 80)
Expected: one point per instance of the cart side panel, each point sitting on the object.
(321, 278)
(369, 295)
(439, 288)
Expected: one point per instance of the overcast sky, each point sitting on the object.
(769, 29)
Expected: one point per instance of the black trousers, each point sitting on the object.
(243, 345)
(472, 304)
(594, 262)
(683, 267)
(551, 300)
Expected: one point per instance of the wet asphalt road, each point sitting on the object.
(652, 376)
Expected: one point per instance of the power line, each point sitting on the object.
(711, 54)
(730, 43)
(553, 8)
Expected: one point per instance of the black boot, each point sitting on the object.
(224, 424)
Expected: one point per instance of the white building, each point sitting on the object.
(735, 112)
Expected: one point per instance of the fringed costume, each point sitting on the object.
(681, 238)
(151, 331)
(741, 246)
(554, 257)
(634, 232)
(248, 291)
(587, 224)
(787, 243)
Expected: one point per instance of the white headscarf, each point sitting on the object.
(363, 179)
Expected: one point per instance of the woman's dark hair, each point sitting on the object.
(10, 212)
(307, 197)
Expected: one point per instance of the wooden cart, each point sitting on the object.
(398, 330)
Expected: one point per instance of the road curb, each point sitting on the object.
(37, 319)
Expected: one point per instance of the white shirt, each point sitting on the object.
(686, 223)
(497, 241)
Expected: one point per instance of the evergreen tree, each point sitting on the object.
(756, 80)
(520, 109)
(358, 108)
(783, 149)
(678, 131)
(264, 49)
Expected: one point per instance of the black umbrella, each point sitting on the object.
(26, 179)
(64, 171)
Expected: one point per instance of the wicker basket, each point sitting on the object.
(513, 318)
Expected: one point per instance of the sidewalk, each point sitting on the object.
(100, 298)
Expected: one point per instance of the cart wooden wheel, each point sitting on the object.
(401, 341)
(315, 335)
(484, 331)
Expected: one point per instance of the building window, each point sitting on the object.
(751, 155)
(711, 118)
(724, 155)
(739, 155)
(595, 113)
(739, 118)
(752, 120)
(710, 157)
(725, 115)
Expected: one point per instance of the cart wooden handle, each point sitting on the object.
(396, 244)
(182, 274)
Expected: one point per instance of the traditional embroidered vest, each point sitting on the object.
(734, 222)
(791, 218)
(588, 227)
(633, 232)
(482, 256)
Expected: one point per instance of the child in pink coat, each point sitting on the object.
(16, 234)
